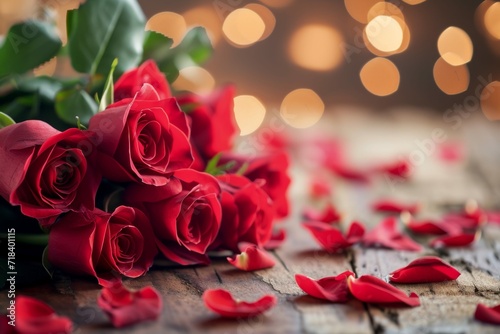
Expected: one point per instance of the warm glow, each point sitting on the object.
(358, 9)
(455, 46)
(316, 47)
(380, 77)
(384, 33)
(302, 108)
(490, 101)
(451, 79)
(205, 17)
(404, 44)
(194, 79)
(249, 113)
(244, 27)
(277, 3)
(492, 20)
(169, 24)
(48, 69)
(266, 15)
(413, 2)
(385, 8)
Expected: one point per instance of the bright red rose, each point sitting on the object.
(270, 167)
(247, 213)
(213, 126)
(102, 244)
(131, 82)
(47, 172)
(143, 139)
(185, 214)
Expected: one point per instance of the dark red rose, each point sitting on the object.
(131, 82)
(270, 167)
(143, 139)
(247, 213)
(185, 214)
(47, 172)
(213, 126)
(102, 244)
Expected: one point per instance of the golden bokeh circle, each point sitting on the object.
(302, 108)
(450, 79)
(249, 113)
(455, 46)
(380, 76)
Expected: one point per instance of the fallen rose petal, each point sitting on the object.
(222, 302)
(318, 188)
(328, 215)
(387, 235)
(370, 289)
(487, 314)
(429, 226)
(35, 317)
(332, 288)
(427, 269)
(355, 233)
(349, 173)
(125, 307)
(394, 207)
(400, 168)
(277, 239)
(459, 240)
(331, 238)
(252, 258)
(5, 328)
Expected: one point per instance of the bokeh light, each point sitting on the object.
(316, 47)
(492, 20)
(404, 43)
(490, 101)
(384, 8)
(302, 108)
(169, 24)
(380, 76)
(455, 46)
(384, 33)
(48, 69)
(205, 17)
(451, 79)
(267, 16)
(358, 9)
(277, 3)
(243, 27)
(413, 2)
(249, 113)
(194, 79)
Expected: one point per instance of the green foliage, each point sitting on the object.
(75, 102)
(5, 120)
(108, 96)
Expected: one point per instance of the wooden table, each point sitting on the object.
(446, 307)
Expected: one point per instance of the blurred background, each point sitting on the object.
(299, 59)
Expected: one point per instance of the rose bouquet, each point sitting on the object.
(116, 168)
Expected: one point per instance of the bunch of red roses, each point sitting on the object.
(153, 149)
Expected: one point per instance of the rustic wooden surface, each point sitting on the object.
(446, 307)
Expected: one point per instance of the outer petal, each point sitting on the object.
(426, 269)
(328, 215)
(487, 314)
(222, 302)
(332, 288)
(252, 258)
(371, 289)
(36, 317)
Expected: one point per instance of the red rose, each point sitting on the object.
(247, 213)
(131, 82)
(213, 126)
(185, 214)
(100, 244)
(47, 172)
(146, 138)
(270, 167)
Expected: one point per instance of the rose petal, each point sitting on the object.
(370, 289)
(493, 217)
(459, 240)
(252, 258)
(277, 239)
(35, 317)
(387, 235)
(331, 238)
(125, 307)
(399, 168)
(349, 173)
(328, 215)
(430, 226)
(319, 188)
(332, 288)
(394, 207)
(222, 302)
(427, 269)
(487, 314)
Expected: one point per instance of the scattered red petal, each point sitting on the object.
(395, 207)
(331, 238)
(493, 217)
(387, 235)
(458, 240)
(370, 289)
(252, 258)
(327, 215)
(487, 314)
(125, 307)
(35, 317)
(277, 239)
(451, 151)
(332, 288)
(400, 168)
(222, 302)
(319, 188)
(349, 173)
(430, 226)
(427, 269)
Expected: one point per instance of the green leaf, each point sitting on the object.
(47, 87)
(108, 96)
(28, 45)
(5, 120)
(156, 46)
(74, 102)
(101, 31)
(213, 168)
